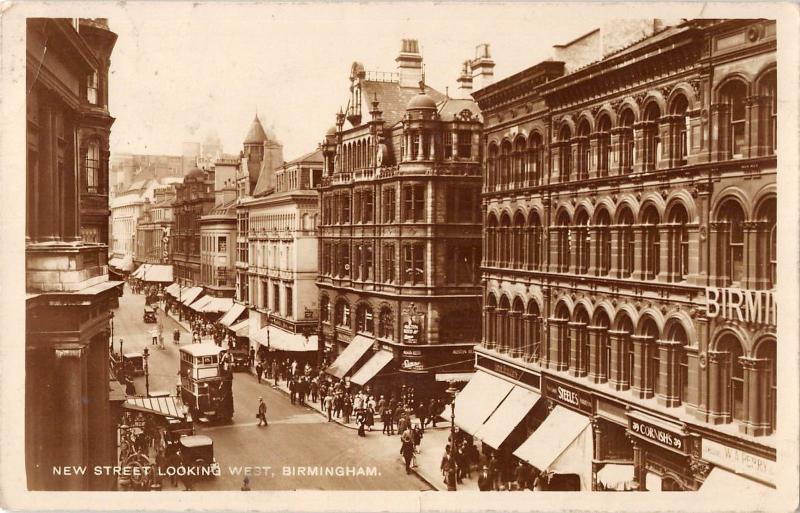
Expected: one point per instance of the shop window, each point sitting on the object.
(731, 242)
(734, 94)
(386, 323)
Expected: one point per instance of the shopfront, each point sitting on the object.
(662, 454)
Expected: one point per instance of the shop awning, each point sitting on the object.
(351, 354)
(198, 305)
(507, 416)
(454, 377)
(218, 305)
(721, 481)
(285, 341)
(241, 328)
(562, 444)
(232, 315)
(157, 273)
(173, 290)
(373, 366)
(139, 270)
(479, 399)
(124, 264)
(615, 476)
(189, 295)
(166, 406)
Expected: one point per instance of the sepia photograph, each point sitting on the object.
(400, 247)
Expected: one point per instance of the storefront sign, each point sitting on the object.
(514, 373)
(752, 306)
(411, 333)
(658, 434)
(738, 461)
(408, 364)
(567, 395)
(412, 352)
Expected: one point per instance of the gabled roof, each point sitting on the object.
(314, 156)
(393, 99)
(451, 107)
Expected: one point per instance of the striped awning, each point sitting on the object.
(241, 328)
(173, 290)
(198, 305)
(232, 315)
(168, 406)
(218, 305)
(189, 295)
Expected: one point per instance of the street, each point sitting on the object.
(298, 450)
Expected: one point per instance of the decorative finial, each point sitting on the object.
(422, 82)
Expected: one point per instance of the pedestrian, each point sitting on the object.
(291, 389)
(262, 412)
(361, 421)
(407, 449)
(130, 388)
(381, 406)
(275, 371)
(154, 337)
(337, 405)
(347, 408)
(484, 480)
(494, 471)
(397, 413)
(422, 415)
(369, 417)
(173, 462)
(251, 358)
(417, 432)
(328, 406)
(314, 386)
(246, 484)
(176, 336)
(386, 418)
(520, 475)
(447, 465)
(259, 369)
(433, 411)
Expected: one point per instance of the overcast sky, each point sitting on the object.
(179, 72)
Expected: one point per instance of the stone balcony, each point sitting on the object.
(64, 266)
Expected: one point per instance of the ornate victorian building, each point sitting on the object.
(399, 244)
(629, 262)
(67, 411)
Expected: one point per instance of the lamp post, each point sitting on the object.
(451, 471)
(122, 360)
(111, 335)
(146, 354)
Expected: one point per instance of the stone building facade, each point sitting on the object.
(630, 251)
(194, 198)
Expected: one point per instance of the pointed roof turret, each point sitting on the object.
(256, 134)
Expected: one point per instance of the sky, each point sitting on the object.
(180, 72)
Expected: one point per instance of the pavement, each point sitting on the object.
(298, 450)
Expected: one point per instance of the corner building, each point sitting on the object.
(629, 270)
(399, 240)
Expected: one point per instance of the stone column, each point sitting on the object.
(488, 327)
(573, 249)
(638, 265)
(420, 145)
(48, 215)
(72, 429)
(577, 330)
(720, 132)
(756, 396)
(664, 254)
(554, 343)
(501, 336)
(759, 116)
(432, 147)
(718, 380)
(594, 248)
(553, 246)
(638, 146)
(639, 381)
(516, 340)
(753, 279)
(615, 233)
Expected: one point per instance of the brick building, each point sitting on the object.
(399, 247)
(629, 263)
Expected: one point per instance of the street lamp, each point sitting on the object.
(146, 354)
(451, 471)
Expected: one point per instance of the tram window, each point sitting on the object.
(207, 360)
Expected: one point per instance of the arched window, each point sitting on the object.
(601, 324)
(733, 94)
(520, 161)
(535, 159)
(342, 313)
(503, 323)
(490, 321)
(583, 242)
(491, 240)
(603, 144)
(652, 140)
(730, 237)
(674, 332)
(325, 309)
(768, 121)
(534, 241)
(735, 385)
(766, 351)
(628, 356)
(491, 166)
(517, 328)
(679, 247)
(504, 249)
(565, 154)
(386, 323)
(766, 244)
(583, 343)
(626, 142)
(364, 320)
(627, 243)
(651, 356)
(650, 243)
(563, 335)
(680, 106)
(532, 348)
(505, 164)
(563, 257)
(519, 245)
(584, 155)
(603, 242)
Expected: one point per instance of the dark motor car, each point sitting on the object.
(149, 314)
(197, 452)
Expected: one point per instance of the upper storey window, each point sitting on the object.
(733, 94)
(768, 88)
(92, 166)
(92, 88)
(464, 144)
(679, 108)
(603, 145)
(626, 142)
(565, 154)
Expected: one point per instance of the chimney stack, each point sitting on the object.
(409, 63)
(465, 82)
(482, 67)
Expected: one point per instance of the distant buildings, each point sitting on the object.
(68, 294)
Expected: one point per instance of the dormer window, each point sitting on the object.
(91, 88)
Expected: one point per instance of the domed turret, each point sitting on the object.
(421, 102)
(331, 131)
(196, 174)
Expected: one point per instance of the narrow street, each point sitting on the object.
(298, 450)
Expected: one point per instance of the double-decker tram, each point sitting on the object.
(206, 377)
